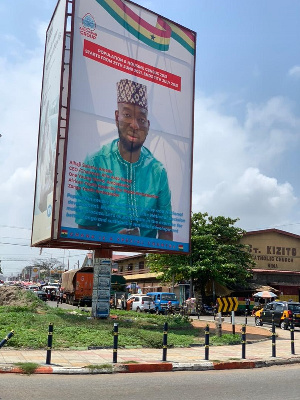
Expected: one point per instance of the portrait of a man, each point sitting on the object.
(122, 187)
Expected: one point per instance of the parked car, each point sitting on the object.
(41, 294)
(33, 287)
(283, 312)
(141, 302)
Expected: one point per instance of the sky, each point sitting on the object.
(246, 126)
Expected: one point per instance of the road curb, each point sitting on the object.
(149, 367)
(17, 370)
(153, 367)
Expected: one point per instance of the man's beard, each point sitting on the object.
(128, 145)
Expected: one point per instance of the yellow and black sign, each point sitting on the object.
(226, 304)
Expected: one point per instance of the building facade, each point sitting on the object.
(276, 254)
(138, 274)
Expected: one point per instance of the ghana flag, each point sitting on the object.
(158, 37)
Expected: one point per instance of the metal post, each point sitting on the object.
(165, 341)
(246, 320)
(273, 337)
(233, 322)
(244, 341)
(115, 349)
(5, 340)
(292, 330)
(219, 324)
(207, 342)
(49, 346)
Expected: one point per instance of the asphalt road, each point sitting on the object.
(274, 383)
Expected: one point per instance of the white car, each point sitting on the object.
(142, 302)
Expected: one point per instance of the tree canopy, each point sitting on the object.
(216, 255)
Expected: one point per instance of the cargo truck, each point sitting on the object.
(77, 285)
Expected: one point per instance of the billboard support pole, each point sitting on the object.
(101, 283)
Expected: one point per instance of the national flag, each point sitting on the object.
(158, 37)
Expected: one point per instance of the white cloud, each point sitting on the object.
(17, 196)
(41, 28)
(295, 72)
(229, 159)
(271, 129)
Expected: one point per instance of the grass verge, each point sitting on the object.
(28, 368)
(75, 329)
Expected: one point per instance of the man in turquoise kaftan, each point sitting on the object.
(122, 188)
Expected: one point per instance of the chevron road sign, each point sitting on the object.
(226, 304)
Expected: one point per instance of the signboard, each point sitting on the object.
(226, 304)
(101, 288)
(273, 249)
(127, 166)
(35, 272)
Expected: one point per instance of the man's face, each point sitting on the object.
(133, 125)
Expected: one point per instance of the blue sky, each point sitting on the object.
(247, 114)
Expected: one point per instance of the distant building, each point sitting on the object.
(275, 252)
(135, 270)
(277, 257)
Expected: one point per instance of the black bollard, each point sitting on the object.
(115, 349)
(165, 341)
(246, 320)
(6, 339)
(292, 330)
(273, 337)
(49, 346)
(207, 342)
(243, 341)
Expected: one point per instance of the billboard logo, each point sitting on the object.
(88, 26)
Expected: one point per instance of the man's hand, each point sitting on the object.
(165, 235)
(134, 232)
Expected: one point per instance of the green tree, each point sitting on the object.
(216, 255)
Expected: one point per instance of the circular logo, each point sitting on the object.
(89, 22)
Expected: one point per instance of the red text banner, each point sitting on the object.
(130, 65)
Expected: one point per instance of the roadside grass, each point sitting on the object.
(74, 329)
(99, 367)
(27, 368)
(227, 338)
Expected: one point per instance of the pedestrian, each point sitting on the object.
(247, 305)
(60, 297)
(123, 302)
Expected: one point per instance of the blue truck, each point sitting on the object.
(161, 300)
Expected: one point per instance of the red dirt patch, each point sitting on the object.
(252, 332)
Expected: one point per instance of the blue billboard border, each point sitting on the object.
(84, 235)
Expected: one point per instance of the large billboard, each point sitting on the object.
(48, 128)
(126, 178)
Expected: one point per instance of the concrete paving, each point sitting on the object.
(258, 353)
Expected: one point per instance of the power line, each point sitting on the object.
(14, 244)
(15, 227)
